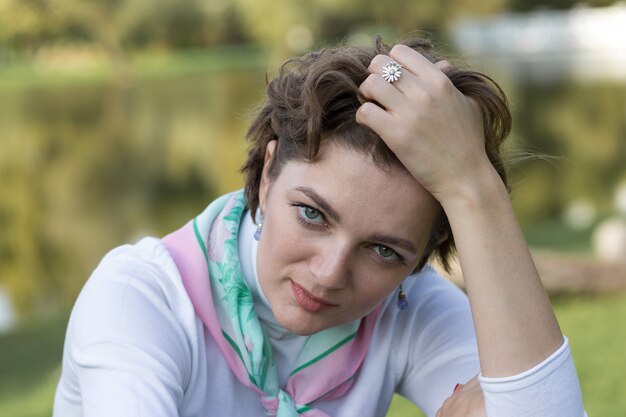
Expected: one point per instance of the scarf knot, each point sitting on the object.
(280, 405)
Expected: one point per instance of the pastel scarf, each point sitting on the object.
(206, 254)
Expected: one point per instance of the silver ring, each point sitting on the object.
(392, 72)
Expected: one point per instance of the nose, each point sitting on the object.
(330, 265)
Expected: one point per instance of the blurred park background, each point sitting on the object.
(123, 118)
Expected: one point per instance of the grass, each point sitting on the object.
(596, 328)
(555, 234)
(141, 66)
(30, 359)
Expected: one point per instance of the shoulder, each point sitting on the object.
(134, 301)
(132, 326)
(438, 315)
(129, 274)
(434, 343)
(428, 294)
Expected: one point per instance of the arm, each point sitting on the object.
(515, 325)
(438, 135)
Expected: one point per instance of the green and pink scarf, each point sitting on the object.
(206, 254)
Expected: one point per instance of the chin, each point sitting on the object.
(294, 322)
(301, 331)
(299, 327)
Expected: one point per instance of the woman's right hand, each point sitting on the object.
(434, 130)
(466, 401)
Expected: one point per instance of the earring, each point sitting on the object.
(402, 302)
(259, 226)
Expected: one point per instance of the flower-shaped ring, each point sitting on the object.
(392, 72)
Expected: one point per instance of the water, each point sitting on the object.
(84, 168)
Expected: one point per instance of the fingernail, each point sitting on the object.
(456, 387)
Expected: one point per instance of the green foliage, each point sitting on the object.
(554, 234)
(30, 363)
(85, 168)
(122, 25)
(24, 23)
(583, 126)
(528, 5)
(597, 333)
(88, 165)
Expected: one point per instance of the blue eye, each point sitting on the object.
(310, 215)
(386, 253)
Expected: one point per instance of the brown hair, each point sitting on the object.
(315, 97)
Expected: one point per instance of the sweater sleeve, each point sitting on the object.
(125, 352)
(549, 389)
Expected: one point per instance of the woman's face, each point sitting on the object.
(338, 236)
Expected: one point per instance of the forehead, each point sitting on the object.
(366, 197)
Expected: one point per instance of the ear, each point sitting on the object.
(442, 239)
(264, 186)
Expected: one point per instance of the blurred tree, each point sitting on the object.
(120, 25)
(26, 24)
(585, 125)
(528, 5)
(80, 167)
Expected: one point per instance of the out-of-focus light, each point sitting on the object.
(620, 198)
(582, 43)
(7, 314)
(361, 38)
(609, 240)
(299, 38)
(580, 214)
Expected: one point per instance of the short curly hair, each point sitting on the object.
(315, 97)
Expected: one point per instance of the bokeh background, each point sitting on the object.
(123, 118)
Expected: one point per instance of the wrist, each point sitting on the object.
(482, 190)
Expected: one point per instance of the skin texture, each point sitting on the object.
(347, 262)
(437, 134)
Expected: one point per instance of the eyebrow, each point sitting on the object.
(377, 237)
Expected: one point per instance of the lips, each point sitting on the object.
(308, 301)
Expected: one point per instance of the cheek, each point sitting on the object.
(283, 238)
(370, 289)
(282, 249)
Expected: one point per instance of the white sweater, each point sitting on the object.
(134, 347)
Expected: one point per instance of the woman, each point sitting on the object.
(364, 164)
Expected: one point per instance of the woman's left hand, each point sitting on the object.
(435, 131)
(466, 401)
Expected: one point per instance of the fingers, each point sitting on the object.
(376, 88)
(414, 62)
(466, 400)
(378, 63)
(419, 75)
(374, 117)
(443, 64)
(420, 84)
(377, 66)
